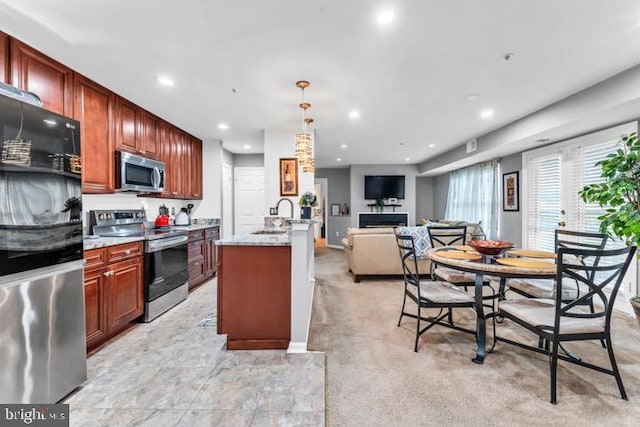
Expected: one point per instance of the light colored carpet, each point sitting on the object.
(375, 379)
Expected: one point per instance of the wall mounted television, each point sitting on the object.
(383, 187)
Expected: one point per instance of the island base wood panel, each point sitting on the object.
(254, 296)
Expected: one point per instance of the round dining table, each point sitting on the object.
(487, 265)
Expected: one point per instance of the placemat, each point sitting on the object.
(531, 254)
(465, 248)
(528, 263)
(459, 255)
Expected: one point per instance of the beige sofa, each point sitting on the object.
(374, 251)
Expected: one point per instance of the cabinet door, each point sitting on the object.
(126, 126)
(210, 258)
(148, 142)
(94, 306)
(164, 155)
(37, 73)
(126, 303)
(4, 58)
(196, 169)
(93, 107)
(177, 167)
(186, 167)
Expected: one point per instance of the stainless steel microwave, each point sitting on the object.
(137, 173)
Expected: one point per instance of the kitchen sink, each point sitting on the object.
(281, 231)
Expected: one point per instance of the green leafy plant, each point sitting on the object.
(619, 194)
(308, 199)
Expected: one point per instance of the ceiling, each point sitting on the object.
(237, 63)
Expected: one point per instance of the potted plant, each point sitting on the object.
(620, 194)
(307, 201)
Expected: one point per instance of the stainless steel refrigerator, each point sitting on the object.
(42, 320)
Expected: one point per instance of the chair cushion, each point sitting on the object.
(541, 312)
(540, 288)
(420, 236)
(443, 292)
(454, 276)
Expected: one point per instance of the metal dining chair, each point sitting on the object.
(428, 294)
(561, 320)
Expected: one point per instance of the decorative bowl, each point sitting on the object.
(490, 247)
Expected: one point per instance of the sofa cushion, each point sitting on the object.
(371, 230)
(420, 238)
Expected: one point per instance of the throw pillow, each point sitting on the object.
(420, 236)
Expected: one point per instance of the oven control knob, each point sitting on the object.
(109, 216)
(101, 216)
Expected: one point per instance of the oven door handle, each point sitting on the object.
(168, 242)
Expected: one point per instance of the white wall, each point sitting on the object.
(359, 204)
(279, 144)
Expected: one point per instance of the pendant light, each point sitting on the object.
(303, 148)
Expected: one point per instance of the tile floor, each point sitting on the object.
(172, 372)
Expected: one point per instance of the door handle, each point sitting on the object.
(562, 224)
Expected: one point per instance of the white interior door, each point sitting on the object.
(227, 201)
(249, 199)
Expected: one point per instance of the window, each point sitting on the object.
(552, 176)
(474, 196)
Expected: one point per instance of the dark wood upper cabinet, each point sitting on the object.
(126, 125)
(47, 78)
(93, 107)
(186, 167)
(177, 162)
(148, 135)
(164, 155)
(4, 58)
(196, 169)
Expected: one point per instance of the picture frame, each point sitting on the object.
(289, 176)
(335, 209)
(511, 191)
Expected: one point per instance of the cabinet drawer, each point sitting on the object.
(196, 235)
(126, 251)
(212, 233)
(95, 258)
(196, 251)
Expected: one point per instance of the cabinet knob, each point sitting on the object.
(174, 193)
(84, 262)
(127, 252)
(107, 273)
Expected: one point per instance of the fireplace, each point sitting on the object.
(390, 219)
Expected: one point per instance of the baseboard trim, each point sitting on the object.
(297, 347)
(336, 247)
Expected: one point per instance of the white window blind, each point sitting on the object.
(543, 200)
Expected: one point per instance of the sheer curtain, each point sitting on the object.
(473, 196)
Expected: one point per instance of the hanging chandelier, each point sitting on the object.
(303, 147)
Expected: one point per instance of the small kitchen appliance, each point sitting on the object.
(182, 218)
(162, 220)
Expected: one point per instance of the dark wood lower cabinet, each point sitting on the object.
(254, 296)
(203, 260)
(113, 291)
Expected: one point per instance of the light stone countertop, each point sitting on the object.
(195, 227)
(102, 242)
(283, 239)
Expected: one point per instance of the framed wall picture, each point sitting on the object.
(510, 191)
(335, 209)
(289, 176)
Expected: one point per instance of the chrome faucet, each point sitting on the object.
(275, 209)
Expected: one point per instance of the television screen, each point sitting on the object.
(383, 187)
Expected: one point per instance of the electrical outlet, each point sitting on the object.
(337, 234)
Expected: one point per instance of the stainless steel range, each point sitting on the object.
(165, 256)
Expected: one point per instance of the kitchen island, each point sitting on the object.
(265, 287)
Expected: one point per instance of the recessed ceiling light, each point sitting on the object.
(472, 97)
(486, 114)
(407, 159)
(343, 146)
(354, 114)
(223, 126)
(432, 145)
(385, 17)
(338, 159)
(165, 80)
(246, 147)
